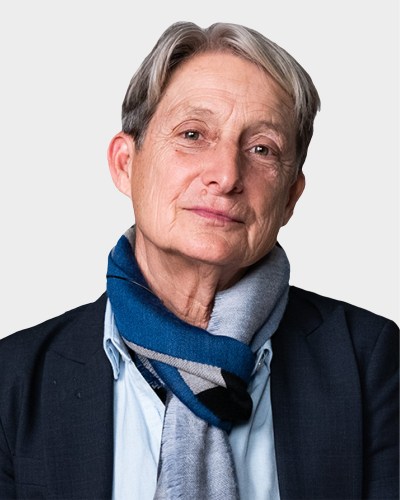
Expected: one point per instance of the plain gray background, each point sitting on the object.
(65, 67)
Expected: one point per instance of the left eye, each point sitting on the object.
(260, 150)
(192, 135)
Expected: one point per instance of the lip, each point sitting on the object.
(216, 215)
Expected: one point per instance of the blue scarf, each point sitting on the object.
(206, 370)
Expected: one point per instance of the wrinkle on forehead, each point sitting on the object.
(213, 64)
(200, 100)
(228, 93)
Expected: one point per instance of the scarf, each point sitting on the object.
(205, 372)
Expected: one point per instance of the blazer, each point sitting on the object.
(333, 393)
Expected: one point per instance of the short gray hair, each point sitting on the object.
(183, 40)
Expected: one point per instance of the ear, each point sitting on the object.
(120, 159)
(295, 191)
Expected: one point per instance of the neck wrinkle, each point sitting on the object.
(186, 289)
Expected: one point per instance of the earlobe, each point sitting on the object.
(120, 159)
(295, 191)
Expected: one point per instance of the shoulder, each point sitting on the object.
(22, 350)
(305, 300)
(366, 330)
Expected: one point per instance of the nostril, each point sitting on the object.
(223, 177)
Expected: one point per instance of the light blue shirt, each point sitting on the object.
(138, 420)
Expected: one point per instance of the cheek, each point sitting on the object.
(269, 197)
(269, 211)
(146, 178)
(157, 185)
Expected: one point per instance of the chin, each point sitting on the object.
(212, 251)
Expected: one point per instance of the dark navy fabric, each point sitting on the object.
(334, 397)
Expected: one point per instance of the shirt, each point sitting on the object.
(138, 420)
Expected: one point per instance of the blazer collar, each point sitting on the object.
(316, 402)
(78, 407)
(316, 411)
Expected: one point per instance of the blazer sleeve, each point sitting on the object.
(381, 424)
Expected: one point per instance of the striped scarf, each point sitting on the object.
(205, 372)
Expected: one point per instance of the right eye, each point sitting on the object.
(191, 135)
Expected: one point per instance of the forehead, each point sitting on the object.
(224, 82)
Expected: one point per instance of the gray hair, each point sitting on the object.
(183, 40)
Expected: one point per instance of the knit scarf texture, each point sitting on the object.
(205, 372)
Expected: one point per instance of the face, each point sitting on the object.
(215, 177)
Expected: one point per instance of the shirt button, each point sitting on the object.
(261, 360)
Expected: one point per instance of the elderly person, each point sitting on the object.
(201, 374)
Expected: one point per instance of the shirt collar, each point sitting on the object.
(116, 349)
(113, 344)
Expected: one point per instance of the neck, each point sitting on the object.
(185, 287)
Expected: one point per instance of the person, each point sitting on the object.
(201, 373)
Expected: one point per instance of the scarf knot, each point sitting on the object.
(208, 373)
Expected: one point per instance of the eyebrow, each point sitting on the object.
(204, 112)
(279, 129)
(195, 110)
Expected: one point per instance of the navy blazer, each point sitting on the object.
(334, 390)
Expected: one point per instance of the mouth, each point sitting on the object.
(215, 215)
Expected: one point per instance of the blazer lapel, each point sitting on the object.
(78, 409)
(316, 405)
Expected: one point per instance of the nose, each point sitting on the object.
(222, 172)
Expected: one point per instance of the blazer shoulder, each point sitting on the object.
(23, 348)
(325, 306)
(366, 329)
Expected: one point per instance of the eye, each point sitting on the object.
(261, 150)
(192, 135)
